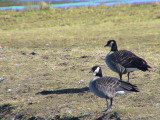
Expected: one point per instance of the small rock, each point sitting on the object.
(1, 79)
(9, 90)
(84, 56)
(23, 53)
(45, 57)
(69, 110)
(47, 44)
(46, 74)
(63, 63)
(81, 81)
(156, 104)
(61, 24)
(44, 49)
(1, 47)
(30, 103)
(33, 53)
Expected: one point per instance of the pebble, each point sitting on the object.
(9, 90)
(1, 79)
(156, 104)
(33, 53)
(81, 81)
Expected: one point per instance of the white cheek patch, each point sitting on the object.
(111, 43)
(120, 92)
(97, 70)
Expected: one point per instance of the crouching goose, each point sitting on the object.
(123, 61)
(108, 87)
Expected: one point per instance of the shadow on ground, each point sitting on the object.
(107, 116)
(5, 110)
(87, 116)
(64, 91)
(100, 116)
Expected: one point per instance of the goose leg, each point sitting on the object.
(108, 105)
(128, 76)
(111, 100)
(120, 75)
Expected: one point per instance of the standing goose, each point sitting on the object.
(108, 87)
(123, 61)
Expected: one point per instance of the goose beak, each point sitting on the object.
(91, 71)
(106, 45)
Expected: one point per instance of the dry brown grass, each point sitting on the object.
(66, 48)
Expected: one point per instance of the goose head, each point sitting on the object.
(96, 70)
(112, 44)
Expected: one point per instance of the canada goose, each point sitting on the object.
(123, 61)
(108, 87)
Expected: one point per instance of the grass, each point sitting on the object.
(67, 43)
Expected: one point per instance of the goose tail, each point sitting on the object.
(127, 87)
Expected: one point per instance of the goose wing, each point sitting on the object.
(126, 87)
(129, 60)
(106, 85)
(110, 86)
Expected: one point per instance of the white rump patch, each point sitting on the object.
(120, 92)
(131, 69)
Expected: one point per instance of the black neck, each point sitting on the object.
(99, 74)
(114, 47)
